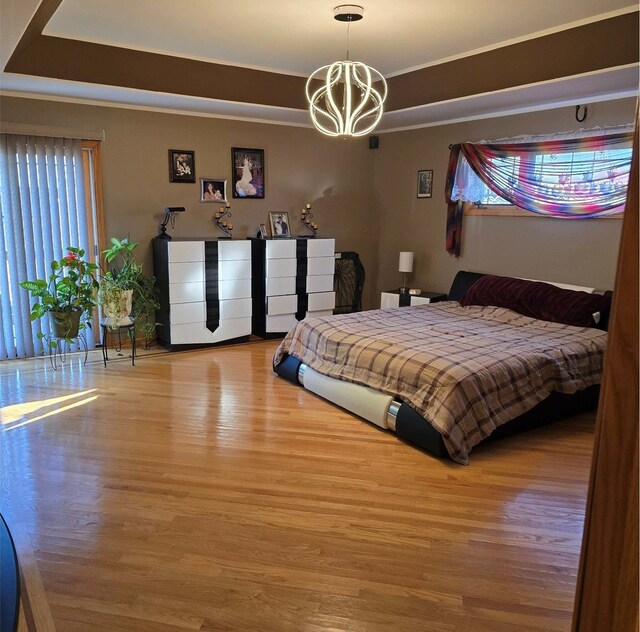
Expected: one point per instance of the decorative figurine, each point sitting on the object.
(307, 219)
(222, 216)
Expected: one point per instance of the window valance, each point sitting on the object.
(571, 178)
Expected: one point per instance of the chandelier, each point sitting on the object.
(345, 98)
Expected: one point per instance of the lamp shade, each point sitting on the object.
(406, 262)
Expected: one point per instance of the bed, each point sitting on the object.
(501, 355)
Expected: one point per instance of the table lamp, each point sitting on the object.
(170, 215)
(405, 265)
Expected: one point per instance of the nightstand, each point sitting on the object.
(395, 298)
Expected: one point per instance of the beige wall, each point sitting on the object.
(365, 198)
(582, 252)
(301, 166)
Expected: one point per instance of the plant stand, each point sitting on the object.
(129, 327)
(58, 353)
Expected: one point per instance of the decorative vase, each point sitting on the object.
(65, 324)
(116, 307)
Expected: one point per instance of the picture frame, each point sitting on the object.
(279, 224)
(262, 231)
(247, 173)
(213, 190)
(425, 183)
(182, 166)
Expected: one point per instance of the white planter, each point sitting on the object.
(116, 307)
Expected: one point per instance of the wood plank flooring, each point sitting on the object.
(198, 491)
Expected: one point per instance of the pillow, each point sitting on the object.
(541, 300)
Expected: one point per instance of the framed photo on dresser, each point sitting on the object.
(280, 227)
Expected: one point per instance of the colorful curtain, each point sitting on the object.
(574, 178)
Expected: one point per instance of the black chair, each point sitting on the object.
(348, 281)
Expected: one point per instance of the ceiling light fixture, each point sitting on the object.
(346, 103)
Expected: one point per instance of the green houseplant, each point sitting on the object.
(68, 296)
(125, 290)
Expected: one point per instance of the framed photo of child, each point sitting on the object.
(213, 190)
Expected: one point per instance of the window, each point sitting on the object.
(48, 201)
(565, 176)
(577, 177)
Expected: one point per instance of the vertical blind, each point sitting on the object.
(42, 212)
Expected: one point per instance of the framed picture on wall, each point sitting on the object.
(425, 183)
(182, 166)
(213, 190)
(247, 168)
(279, 222)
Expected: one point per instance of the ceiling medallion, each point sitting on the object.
(346, 97)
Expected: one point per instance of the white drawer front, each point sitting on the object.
(321, 265)
(191, 272)
(322, 301)
(323, 312)
(419, 300)
(321, 247)
(283, 322)
(188, 313)
(234, 269)
(197, 333)
(388, 300)
(281, 267)
(235, 308)
(234, 250)
(238, 288)
(279, 286)
(186, 292)
(282, 305)
(281, 249)
(180, 251)
(320, 283)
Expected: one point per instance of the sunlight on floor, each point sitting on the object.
(16, 415)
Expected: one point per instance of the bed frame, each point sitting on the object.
(386, 412)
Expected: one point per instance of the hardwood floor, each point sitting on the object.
(198, 491)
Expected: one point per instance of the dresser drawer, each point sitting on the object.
(281, 249)
(323, 312)
(282, 305)
(233, 250)
(321, 247)
(186, 292)
(182, 313)
(197, 333)
(320, 283)
(234, 269)
(191, 272)
(235, 308)
(281, 268)
(280, 286)
(282, 322)
(238, 288)
(321, 265)
(321, 301)
(181, 251)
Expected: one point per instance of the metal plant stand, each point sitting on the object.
(62, 346)
(129, 328)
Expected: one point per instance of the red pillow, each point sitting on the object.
(541, 300)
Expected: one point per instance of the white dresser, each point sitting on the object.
(205, 291)
(292, 279)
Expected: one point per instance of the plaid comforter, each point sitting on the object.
(465, 369)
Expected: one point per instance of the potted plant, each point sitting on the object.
(125, 290)
(68, 296)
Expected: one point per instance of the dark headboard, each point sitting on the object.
(461, 283)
